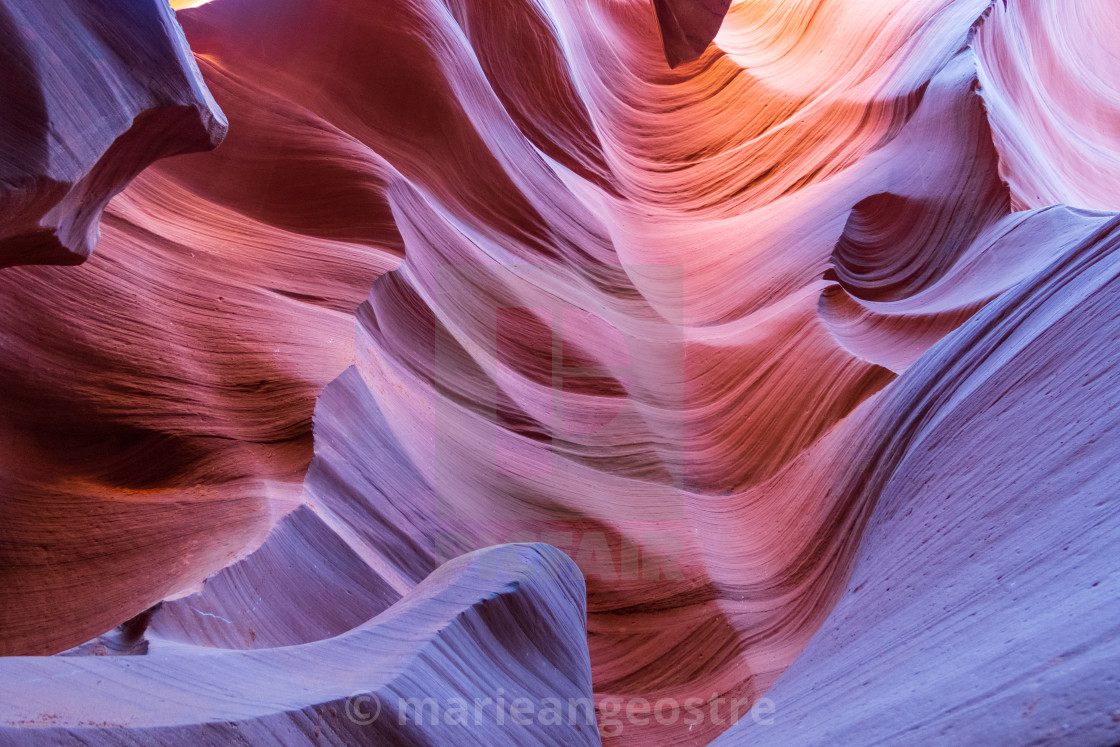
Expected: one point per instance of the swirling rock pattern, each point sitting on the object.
(91, 94)
(1049, 75)
(788, 322)
(984, 602)
(345, 689)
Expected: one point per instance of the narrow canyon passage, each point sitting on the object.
(736, 372)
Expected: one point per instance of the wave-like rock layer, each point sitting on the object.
(791, 324)
(92, 93)
(526, 600)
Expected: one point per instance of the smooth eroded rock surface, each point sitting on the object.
(789, 323)
(91, 94)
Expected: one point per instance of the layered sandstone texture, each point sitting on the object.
(604, 351)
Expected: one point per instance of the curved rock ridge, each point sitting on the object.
(747, 318)
(984, 602)
(1050, 76)
(303, 584)
(895, 333)
(92, 93)
(176, 389)
(174, 392)
(628, 370)
(520, 607)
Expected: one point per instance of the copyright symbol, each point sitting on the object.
(363, 708)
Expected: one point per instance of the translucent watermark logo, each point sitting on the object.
(363, 708)
(613, 716)
(538, 379)
(646, 554)
(616, 714)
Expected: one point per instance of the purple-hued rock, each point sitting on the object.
(984, 607)
(90, 94)
(490, 649)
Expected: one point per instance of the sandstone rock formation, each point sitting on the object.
(791, 324)
(91, 94)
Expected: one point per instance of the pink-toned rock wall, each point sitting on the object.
(789, 323)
